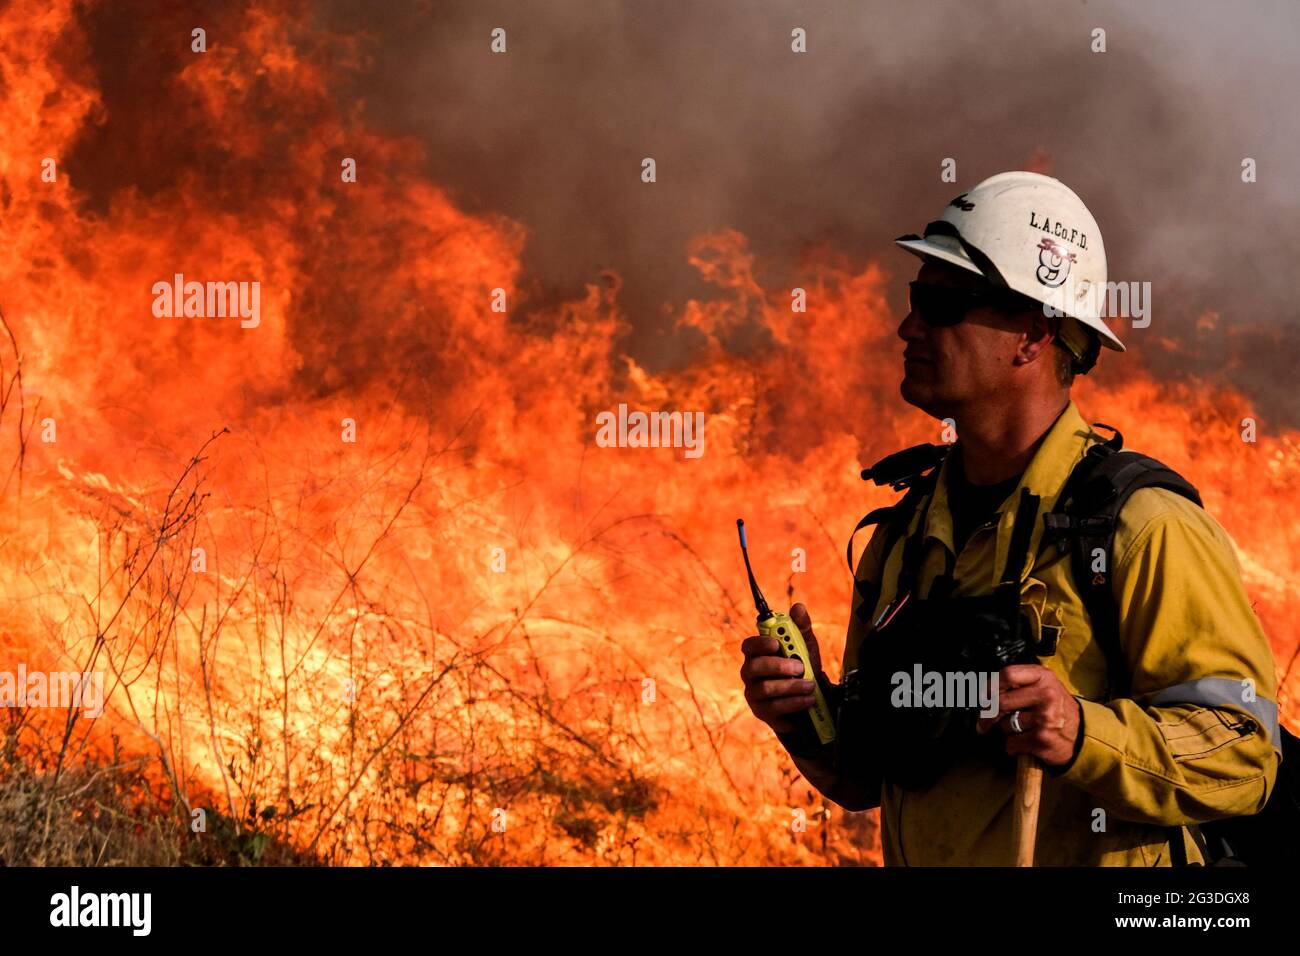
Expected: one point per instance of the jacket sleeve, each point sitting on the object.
(818, 763)
(1196, 738)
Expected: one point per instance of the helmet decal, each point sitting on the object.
(962, 203)
(1053, 263)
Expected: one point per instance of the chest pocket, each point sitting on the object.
(1045, 623)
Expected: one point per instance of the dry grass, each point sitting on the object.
(110, 814)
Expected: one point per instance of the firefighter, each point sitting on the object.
(1005, 312)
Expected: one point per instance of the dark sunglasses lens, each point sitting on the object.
(937, 305)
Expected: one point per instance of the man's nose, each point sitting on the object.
(911, 329)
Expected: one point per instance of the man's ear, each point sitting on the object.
(1040, 332)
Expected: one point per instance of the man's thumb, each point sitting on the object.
(799, 614)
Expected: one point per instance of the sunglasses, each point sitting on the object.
(941, 305)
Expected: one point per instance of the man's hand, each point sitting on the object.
(774, 685)
(1049, 714)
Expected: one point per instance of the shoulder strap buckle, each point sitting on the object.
(1061, 526)
(1109, 446)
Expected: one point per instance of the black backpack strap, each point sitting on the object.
(917, 470)
(1022, 532)
(891, 513)
(912, 468)
(897, 528)
(1085, 519)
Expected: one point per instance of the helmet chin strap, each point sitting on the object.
(1083, 345)
(1089, 359)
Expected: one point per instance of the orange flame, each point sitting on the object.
(472, 617)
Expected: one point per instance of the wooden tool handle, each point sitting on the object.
(1029, 788)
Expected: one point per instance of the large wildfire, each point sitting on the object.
(471, 634)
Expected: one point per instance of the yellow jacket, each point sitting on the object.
(1184, 748)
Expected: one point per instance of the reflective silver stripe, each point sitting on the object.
(1223, 692)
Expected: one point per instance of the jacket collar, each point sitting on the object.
(1063, 446)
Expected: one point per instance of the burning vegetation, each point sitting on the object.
(363, 586)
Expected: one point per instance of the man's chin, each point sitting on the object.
(919, 396)
(914, 394)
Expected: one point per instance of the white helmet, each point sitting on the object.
(1029, 233)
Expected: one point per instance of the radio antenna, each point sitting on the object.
(764, 611)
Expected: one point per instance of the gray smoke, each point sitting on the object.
(844, 143)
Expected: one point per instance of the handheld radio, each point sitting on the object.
(775, 624)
